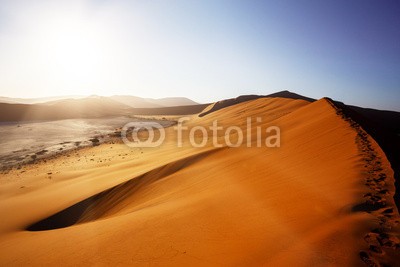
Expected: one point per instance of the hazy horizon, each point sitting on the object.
(205, 51)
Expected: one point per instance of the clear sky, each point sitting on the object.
(204, 50)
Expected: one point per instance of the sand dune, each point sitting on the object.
(323, 198)
(244, 98)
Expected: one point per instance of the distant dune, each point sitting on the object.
(323, 198)
(138, 102)
(135, 102)
(173, 101)
(132, 101)
(63, 109)
(39, 100)
(95, 107)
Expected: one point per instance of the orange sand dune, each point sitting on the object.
(300, 204)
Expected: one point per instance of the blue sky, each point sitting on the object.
(205, 50)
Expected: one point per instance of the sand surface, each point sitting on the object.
(323, 198)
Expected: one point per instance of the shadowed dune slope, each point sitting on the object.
(291, 205)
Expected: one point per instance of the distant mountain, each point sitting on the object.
(92, 107)
(96, 107)
(138, 102)
(132, 101)
(37, 100)
(172, 101)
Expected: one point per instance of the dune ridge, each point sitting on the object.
(244, 98)
(377, 203)
(293, 205)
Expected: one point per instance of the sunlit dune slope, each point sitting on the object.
(293, 205)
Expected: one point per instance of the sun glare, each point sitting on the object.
(74, 51)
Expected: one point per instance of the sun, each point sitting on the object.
(75, 51)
